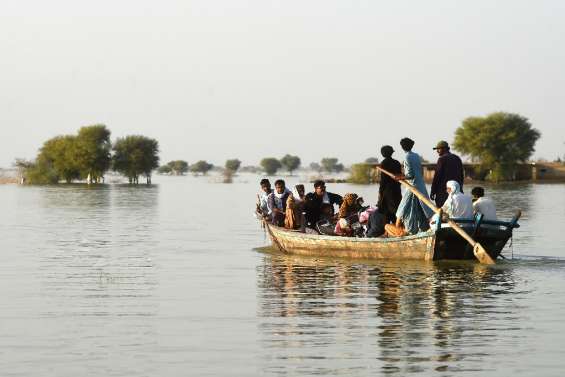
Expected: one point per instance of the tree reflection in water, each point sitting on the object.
(346, 317)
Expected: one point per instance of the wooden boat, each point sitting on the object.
(435, 244)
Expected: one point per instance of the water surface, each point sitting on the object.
(173, 279)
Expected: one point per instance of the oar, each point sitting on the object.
(479, 251)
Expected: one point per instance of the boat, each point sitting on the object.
(440, 243)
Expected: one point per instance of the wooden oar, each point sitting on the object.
(479, 251)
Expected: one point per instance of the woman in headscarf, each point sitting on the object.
(457, 203)
(412, 215)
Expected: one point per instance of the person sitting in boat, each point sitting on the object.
(483, 204)
(262, 204)
(315, 200)
(348, 214)
(412, 214)
(292, 213)
(299, 193)
(277, 202)
(376, 225)
(457, 204)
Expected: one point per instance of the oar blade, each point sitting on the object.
(482, 254)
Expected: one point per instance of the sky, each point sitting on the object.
(247, 79)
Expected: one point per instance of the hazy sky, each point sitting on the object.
(216, 79)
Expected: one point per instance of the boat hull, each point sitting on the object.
(428, 246)
(417, 247)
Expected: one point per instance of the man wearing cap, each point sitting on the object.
(449, 168)
(390, 194)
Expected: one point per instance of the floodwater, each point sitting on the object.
(175, 280)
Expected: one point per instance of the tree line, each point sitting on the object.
(89, 154)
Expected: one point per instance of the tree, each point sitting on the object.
(178, 167)
(233, 165)
(314, 166)
(59, 157)
(201, 167)
(270, 165)
(372, 160)
(362, 173)
(330, 164)
(498, 141)
(93, 148)
(135, 155)
(165, 169)
(290, 163)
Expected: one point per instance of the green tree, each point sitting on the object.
(59, 157)
(178, 167)
(498, 141)
(165, 169)
(201, 167)
(270, 165)
(93, 149)
(233, 165)
(330, 164)
(372, 160)
(314, 166)
(136, 155)
(362, 173)
(290, 163)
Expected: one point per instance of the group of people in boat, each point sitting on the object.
(395, 215)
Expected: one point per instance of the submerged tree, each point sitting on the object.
(201, 167)
(330, 164)
(135, 155)
(363, 173)
(233, 165)
(314, 166)
(165, 169)
(290, 163)
(497, 141)
(93, 151)
(58, 159)
(270, 165)
(178, 167)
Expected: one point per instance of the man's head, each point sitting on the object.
(477, 192)
(387, 151)
(279, 186)
(442, 147)
(300, 189)
(407, 144)
(319, 187)
(265, 185)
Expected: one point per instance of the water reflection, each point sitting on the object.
(415, 317)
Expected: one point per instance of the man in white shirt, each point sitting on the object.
(483, 204)
(263, 204)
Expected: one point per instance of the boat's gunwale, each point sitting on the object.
(323, 237)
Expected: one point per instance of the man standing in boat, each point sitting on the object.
(390, 194)
(412, 214)
(448, 168)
